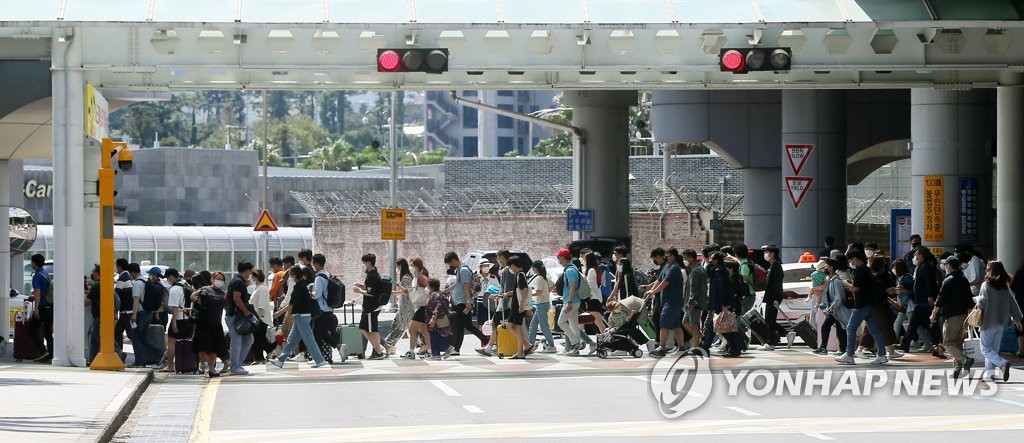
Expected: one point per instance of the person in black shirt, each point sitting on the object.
(863, 289)
(238, 307)
(370, 290)
(954, 302)
(773, 296)
(92, 300)
(302, 306)
(208, 339)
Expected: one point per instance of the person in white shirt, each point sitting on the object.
(540, 290)
(178, 328)
(265, 311)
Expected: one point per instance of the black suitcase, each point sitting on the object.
(806, 333)
(759, 329)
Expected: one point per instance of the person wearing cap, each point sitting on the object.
(863, 289)
(149, 302)
(955, 300)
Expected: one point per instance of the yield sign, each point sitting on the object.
(798, 155)
(798, 187)
(265, 223)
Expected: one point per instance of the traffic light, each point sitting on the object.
(429, 60)
(744, 60)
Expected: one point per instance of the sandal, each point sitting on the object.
(166, 370)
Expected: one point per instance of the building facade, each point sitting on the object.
(468, 132)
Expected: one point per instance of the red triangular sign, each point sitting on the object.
(265, 223)
(798, 187)
(798, 155)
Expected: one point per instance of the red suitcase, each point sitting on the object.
(24, 347)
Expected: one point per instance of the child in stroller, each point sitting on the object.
(623, 333)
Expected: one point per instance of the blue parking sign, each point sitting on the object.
(581, 220)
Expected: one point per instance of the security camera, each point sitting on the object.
(124, 160)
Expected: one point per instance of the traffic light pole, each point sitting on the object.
(393, 247)
(107, 359)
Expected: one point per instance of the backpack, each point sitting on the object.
(583, 287)
(153, 296)
(384, 296)
(760, 276)
(49, 289)
(335, 292)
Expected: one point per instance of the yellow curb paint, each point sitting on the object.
(204, 414)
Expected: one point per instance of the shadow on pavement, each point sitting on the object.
(53, 424)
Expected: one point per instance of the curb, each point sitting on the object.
(126, 409)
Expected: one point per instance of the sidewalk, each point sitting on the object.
(43, 403)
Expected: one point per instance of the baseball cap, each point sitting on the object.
(952, 261)
(563, 253)
(156, 270)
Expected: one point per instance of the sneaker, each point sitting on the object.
(592, 349)
(790, 339)
(449, 351)
(549, 349)
(660, 352)
(896, 353)
(927, 349)
(277, 362)
(846, 360)
(840, 356)
(573, 353)
(821, 351)
(685, 352)
(864, 353)
(214, 374)
(766, 348)
(880, 360)
(484, 352)
(1006, 371)
(455, 354)
(967, 364)
(241, 372)
(377, 356)
(320, 365)
(651, 346)
(409, 356)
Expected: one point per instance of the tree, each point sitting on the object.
(334, 106)
(560, 145)
(278, 104)
(336, 157)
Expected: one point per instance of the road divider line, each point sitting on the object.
(818, 436)
(740, 410)
(473, 409)
(445, 388)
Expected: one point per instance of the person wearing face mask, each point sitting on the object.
(695, 297)
(302, 306)
(773, 296)
(923, 295)
(908, 258)
(208, 339)
(870, 250)
(406, 276)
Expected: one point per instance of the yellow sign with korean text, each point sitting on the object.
(96, 113)
(934, 209)
(392, 224)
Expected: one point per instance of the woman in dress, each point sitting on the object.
(405, 309)
(209, 335)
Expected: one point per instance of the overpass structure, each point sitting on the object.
(941, 81)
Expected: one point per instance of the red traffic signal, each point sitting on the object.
(743, 60)
(429, 60)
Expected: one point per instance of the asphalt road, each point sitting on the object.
(606, 408)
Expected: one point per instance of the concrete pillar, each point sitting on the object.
(950, 137)
(681, 116)
(762, 207)
(68, 214)
(5, 248)
(16, 179)
(818, 118)
(602, 180)
(1009, 164)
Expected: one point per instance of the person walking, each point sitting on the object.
(403, 317)
(302, 307)
(904, 293)
(863, 292)
(439, 312)
(208, 338)
(670, 287)
(773, 296)
(696, 297)
(998, 307)
(833, 307)
(954, 301)
(520, 307)
(540, 290)
(178, 327)
(417, 296)
(262, 345)
(462, 304)
(325, 324)
(595, 278)
(370, 290)
(924, 292)
(568, 320)
(238, 308)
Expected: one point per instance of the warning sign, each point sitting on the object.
(265, 223)
(392, 224)
(798, 187)
(798, 155)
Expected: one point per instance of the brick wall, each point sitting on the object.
(344, 240)
(695, 173)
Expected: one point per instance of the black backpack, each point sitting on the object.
(153, 296)
(335, 291)
(384, 296)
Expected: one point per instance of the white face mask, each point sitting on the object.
(767, 256)
(917, 261)
(218, 284)
(415, 270)
(618, 268)
(870, 253)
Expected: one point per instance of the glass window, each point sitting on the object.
(170, 259)
(505, 145)
(470, 117)
(505, 122)
(195, 260)
(249, 256)
(469, 93)
(140, 256)
(221, 261)
(470, 147)
(506, 93)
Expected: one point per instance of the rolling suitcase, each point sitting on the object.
(507, 344)
(24, 347)
(759, 329)
(806, 333)
(185, 357)
(349, 334)
(155, 334)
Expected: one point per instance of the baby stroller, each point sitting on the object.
(621, 339)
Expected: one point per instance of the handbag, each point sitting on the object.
(972, 345)
(442, 322)
(418, 296)
(975, 317)
(245, 325)
(725, 322)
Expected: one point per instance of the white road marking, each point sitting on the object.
(473, 409)
(740, 410)
(444, 388)
(818, 436)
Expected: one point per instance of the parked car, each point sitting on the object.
(554, 269)
(474, 257)
(796, 285)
